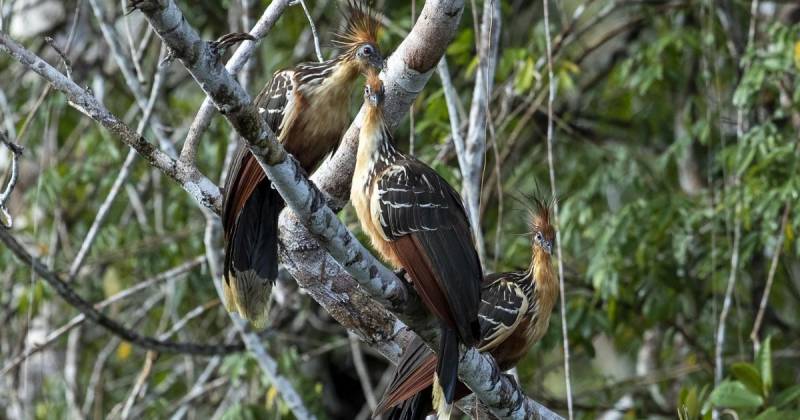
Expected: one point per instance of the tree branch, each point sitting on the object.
(7, 220)
(202, 189)
(475, 143)
(234, 65)
(112, 326)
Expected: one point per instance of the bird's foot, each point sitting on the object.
(401, 273)
(511, 378)
(145, 5)
(228, 40)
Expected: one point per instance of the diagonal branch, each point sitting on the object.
(96, 316)
(202, 189)
(234, 65)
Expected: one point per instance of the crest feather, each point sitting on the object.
(541, 212)
(361, 26)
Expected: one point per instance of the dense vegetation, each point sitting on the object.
(676, 155)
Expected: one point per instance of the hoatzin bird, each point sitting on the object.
(307, 107)
(417, 222)
(514, 314)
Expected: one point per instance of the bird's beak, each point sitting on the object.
(376, 61)
(548, 247)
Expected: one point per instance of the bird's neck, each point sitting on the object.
(374, 143)
(333, 78)
(545, 281)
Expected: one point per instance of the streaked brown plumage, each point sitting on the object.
(515, 312)
(416, 221)
(308, 109)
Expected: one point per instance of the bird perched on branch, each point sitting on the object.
(307, 107)
(514, 314)
(417, 222)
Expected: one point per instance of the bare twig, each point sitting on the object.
(726, 303)
(79, 319)
(16, 152)
(130, 72)
(122, 176)
(551, 166)
(94, 315)
(197, 387)
(361, 370)
(149, 360)
(314, 34)
(773, 268)
(196, 184)
(475, 142)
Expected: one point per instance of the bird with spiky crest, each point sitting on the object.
(514, 314)
(307, 107)
(417, 222)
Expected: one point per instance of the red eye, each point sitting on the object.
(367, 50)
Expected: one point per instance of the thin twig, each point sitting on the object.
(479, 116)
(122, 176)
(361, 370)
(16, 152)
(68, 294)
(551, 166)
(726, 303)
(314, 34)
(130, 73)
(773, 268)
(79, 319)
(190, 179)
(149, 361)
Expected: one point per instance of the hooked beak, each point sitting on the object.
(376, 61)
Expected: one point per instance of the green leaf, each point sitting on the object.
(689, 406)
(733, 394)
(773, 413)
(764, 363)
(747, 374)
(787, 396)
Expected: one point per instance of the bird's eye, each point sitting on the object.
(538, 236)
(367, 50)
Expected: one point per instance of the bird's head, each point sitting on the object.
(373, 90)
(359, 37)
(543, 232)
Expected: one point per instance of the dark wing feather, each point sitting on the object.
(503, 305)
(417, 204)
(245, 173)
(250, 213)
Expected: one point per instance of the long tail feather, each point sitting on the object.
(416, 408)
(446, 379)
(252, 256)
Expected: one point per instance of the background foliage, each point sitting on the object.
(676, 124)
